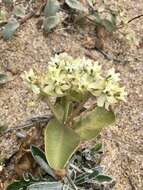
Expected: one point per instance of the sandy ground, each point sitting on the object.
(123, 143)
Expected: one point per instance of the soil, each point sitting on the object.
(123, 143)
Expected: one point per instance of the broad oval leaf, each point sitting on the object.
(46, 186)
(92, 124)
(51, 8)
(10, 28)
(40, 158)
(77, 5)
(19, 11)
(60, 144)
(50, 23)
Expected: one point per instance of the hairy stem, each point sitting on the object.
(75, 113)
(50, 105)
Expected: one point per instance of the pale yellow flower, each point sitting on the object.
(66, 74)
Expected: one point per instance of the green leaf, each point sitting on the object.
(60, 144)
(19, 11)
(3, 79)
(18, 185)
(77, 5)
(46, 186)
(91, 125)
(91, 177)
(27, 185)
(50, 23)
(103, 178)
(40, 158)
(86, 177)
(108, 25)
(51, 8)
(10, 28)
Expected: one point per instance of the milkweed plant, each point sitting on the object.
(67, 85)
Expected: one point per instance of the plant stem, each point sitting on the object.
(71, 182)
(52, 108)
(75, 112)
(67, 106)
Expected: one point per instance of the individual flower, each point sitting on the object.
(32, 80)
(113, 92)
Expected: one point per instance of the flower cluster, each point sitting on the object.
(66, 74)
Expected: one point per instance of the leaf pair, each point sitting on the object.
(13, 24)
(61, 142)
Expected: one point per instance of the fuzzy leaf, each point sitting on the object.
(92, 124)
(86, 177)
(60, 143)
(51, 8)
(18, 185)
(46, 186)
(40, 158)
(50, 23)
(10, 28)
(19, 11)
(103, 178)
(77, 5)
